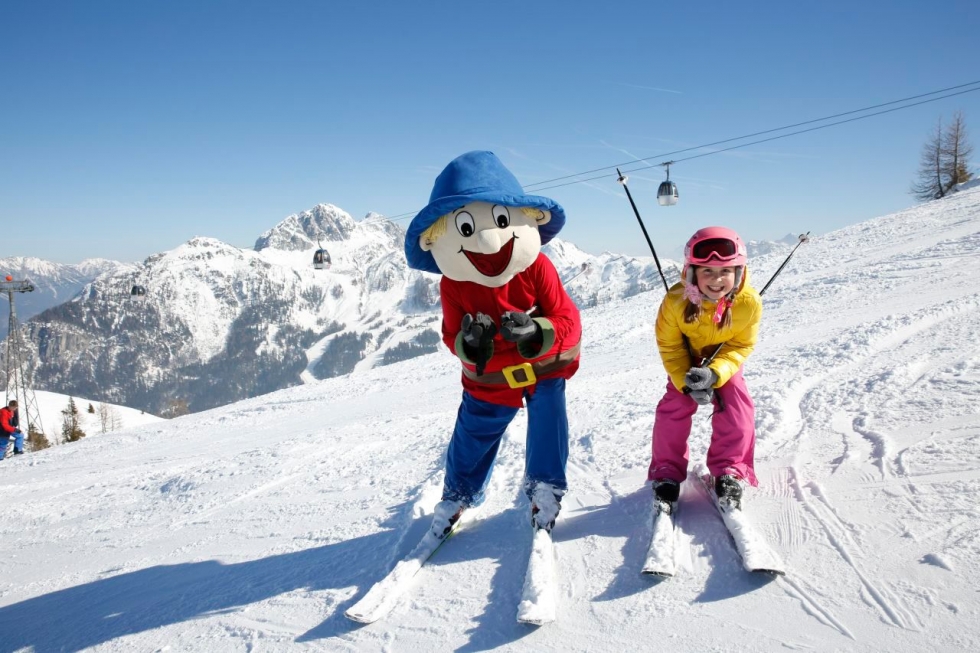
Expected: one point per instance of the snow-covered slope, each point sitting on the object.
(255, 525)
(103, 418)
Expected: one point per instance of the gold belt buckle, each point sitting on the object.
(519, 376)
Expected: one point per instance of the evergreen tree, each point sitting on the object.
(70, 429)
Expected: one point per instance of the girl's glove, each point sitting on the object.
(516, 326)
(700, 378)
(703, 397)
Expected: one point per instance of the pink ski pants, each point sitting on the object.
(732, 449)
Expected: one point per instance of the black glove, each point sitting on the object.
(518, 327)
(478, 336)
(475, 330)
(700, 378)
(703, 397)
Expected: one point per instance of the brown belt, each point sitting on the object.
(519, 373)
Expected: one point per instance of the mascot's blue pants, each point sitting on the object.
(480, 426)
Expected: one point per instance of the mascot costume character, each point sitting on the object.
(508, 318)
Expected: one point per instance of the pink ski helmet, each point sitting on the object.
(715, 247)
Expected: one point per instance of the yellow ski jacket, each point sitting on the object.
(704, 335)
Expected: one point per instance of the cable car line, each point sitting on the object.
(763, 140)
(537, 187)
(760, 133)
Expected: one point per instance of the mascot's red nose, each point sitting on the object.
(492, 265)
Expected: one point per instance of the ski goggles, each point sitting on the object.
(714, 249)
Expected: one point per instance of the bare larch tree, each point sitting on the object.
(945, 160)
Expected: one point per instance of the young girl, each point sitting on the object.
(712, 305)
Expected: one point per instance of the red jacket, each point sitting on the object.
(8, 421)
(538, 285)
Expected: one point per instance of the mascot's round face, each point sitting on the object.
(487, 243)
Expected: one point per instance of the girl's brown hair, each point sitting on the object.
(693, 310)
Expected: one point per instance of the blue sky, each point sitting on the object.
(127, 128)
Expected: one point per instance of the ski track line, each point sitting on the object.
(196, 517)
(811, 606)
(846, 530)
(789, 523)
(941, 477)
(948, 530)
(840, 423)
(909, 491)
(881, 597)
(880, 445)
(303, 468)
(915, 323)
(851, 438)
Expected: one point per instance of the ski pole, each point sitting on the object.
(803, 238)
(622, 179)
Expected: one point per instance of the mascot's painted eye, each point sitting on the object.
(465, 224)
(501, 216)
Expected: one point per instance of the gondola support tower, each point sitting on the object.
(19, 375)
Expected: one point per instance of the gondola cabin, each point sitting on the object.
(667, 193)
(138, 293)
(321, 259)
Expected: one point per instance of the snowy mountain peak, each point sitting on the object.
(49, 274)
(93, 267)
(561, 251)
(202, 247)
(301, 231)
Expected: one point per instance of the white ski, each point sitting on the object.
(752, 546)
(381, 598)
(660, 556)
(539, 602)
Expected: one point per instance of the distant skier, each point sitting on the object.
(508, 318)
(712, 305)
(10, 428)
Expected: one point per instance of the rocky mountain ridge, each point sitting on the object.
(54, 283)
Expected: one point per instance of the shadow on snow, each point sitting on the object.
(630, 518)
(106, 609)
(109, 608)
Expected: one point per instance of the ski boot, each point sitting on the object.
(447, 513)
(665, 495)
(545, 505)
(728, 487)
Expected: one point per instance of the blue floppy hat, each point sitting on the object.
(476, 176)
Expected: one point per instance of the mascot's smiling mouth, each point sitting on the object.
(491, 265)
